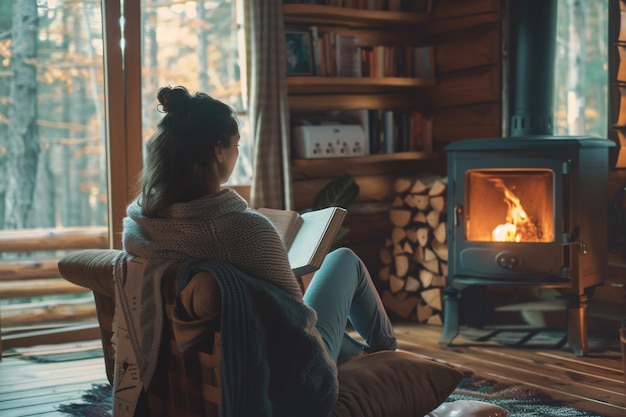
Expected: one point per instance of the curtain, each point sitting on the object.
(269, 115)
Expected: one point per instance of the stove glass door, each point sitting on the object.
(509, 205)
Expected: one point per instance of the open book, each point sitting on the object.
(308, 237)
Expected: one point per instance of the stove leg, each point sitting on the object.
(577, 325)
(450, 315)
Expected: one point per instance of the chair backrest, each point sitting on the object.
(186, 383)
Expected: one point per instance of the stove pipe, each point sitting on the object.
(532, 45)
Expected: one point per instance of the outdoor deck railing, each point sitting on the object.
(27, 278)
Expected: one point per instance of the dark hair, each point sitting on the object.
(178, 154)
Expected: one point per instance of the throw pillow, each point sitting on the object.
(393, 384)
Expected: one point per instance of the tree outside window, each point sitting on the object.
(581, 68)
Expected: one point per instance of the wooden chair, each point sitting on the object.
(185, 383)
(389, 384)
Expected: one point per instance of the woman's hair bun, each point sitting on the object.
(174, 101)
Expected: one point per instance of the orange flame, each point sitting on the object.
(516, 221)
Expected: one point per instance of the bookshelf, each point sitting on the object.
(388, 64)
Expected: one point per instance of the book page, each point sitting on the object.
(286, 222)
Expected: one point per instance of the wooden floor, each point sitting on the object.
(36, 389)
(594, 383)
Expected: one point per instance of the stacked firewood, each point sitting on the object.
(415, 256)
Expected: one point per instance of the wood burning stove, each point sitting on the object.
(528, 212)
(529, 209)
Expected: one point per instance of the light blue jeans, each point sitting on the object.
(341, 291)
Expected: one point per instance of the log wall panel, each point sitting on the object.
(443, 28)
(451, 9)
(466, 122)
(476, 86)
(478, 49)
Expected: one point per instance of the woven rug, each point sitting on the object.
(520, 400)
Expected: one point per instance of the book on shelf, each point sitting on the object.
(398, 61)
(308, 237)
(317, 63)
(347, 55)
(399, 131)
(390, 133)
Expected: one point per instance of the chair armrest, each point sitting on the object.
(90, 268)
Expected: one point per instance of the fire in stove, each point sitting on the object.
(510, 206)
(518, 225)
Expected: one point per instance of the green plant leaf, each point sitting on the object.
(340, 192)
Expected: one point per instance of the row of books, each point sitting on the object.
(340, 55)
(415, 6)
(398, 61)
(398, 131)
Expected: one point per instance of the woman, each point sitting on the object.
(183, 213)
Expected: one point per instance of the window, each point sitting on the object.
(53, 167)
(197, 44)
(581, 68)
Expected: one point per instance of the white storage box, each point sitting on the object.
(328, 141)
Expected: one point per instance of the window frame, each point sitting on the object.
(123, 123)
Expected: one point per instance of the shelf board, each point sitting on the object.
(313, 14)
(359, 85)
(361, 165)
(304, 103)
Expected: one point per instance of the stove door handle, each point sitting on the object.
(582, 246)
(458, 212)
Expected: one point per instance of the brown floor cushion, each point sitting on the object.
(393, 384)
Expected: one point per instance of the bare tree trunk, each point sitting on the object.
(23, 146)
(150, 64)
(575, 95)
(96, 164)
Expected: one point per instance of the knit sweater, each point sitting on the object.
(216, 227)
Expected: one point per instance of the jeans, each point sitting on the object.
(341, 291)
